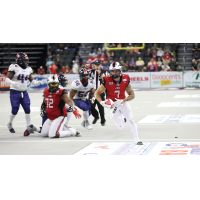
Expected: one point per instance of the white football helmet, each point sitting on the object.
(115, 66)
(53, 83)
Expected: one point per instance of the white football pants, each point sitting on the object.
(116, 113)
(51, 127)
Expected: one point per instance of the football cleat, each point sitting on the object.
(31, 128)
(139, 143)
(87, 125)
(10, 128)
(26, 133)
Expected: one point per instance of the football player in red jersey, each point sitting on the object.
(115, 86)
(55, 99)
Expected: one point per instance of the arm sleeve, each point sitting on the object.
(30, 70)
(64, 92)
(128, 81)
(11, 68)
(103, 81)
(74, 87)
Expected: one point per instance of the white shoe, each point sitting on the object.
(87, 125)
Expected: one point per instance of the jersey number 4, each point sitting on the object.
(49, 103)
(22, 77)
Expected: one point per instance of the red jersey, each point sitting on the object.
(5, 72)
(41, 71)
(55, 106)
(114, 90)
(102, 58)
(167, 56)
(90, 60)
(53, 69)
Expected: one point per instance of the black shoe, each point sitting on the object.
(95, 120)
(103, 123)
(125, 120)
(139, 143)
(10, 128)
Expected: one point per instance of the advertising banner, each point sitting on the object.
(3, 85)
(139, 79)
(191, 79)
(166, 79)
(44, 78)
(114, 148)
(178, 148)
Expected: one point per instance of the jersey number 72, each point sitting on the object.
(49, 102)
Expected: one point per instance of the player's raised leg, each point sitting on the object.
(127, 112)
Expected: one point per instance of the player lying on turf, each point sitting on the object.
(115, 86)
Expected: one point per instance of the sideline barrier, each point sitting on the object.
(137, 80)
(191, 79)
(166, 79)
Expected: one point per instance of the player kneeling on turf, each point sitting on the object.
(55, 99)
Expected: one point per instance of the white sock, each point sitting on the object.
(85, 115)
(69, 115)
(28, 119)
(11, 118)
(37, 129)
(134, 130)
(65, 133)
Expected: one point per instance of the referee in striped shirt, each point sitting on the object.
(97, 75)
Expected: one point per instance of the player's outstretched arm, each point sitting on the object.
(9, 77)
(92, 91)
(34, 82)
(100, 90)
(67, 100)
(130, 92)
(72, 94)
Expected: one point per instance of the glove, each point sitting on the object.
(118, 102)
(108, 103)
(39, 83)
(12, 82)
(92, 99)
(42, 113)
(76, 113)
(36, 83)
